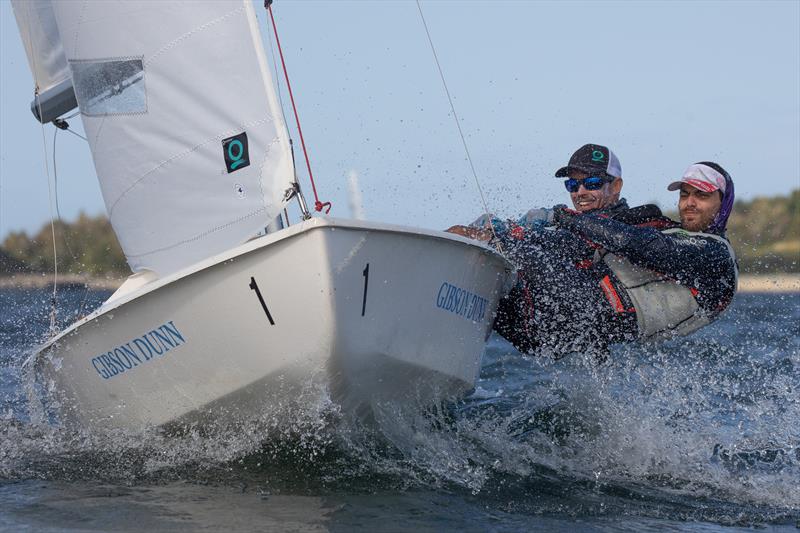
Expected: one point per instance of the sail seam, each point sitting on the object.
(77, 28)
(188, 34)
(267, 149)
(97, 133)
(219, 137)
(201, 235)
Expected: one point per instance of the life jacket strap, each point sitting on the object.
(613, 296)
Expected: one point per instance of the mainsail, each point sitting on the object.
(182, 120)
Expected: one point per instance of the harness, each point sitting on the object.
(644, 304)
(664, 307)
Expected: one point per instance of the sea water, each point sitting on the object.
(699, 434)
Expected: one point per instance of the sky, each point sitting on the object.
(663, 84)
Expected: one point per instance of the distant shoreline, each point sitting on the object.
(38, 281)
(779, 283)
(748, 283)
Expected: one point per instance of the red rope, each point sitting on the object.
(319, 206)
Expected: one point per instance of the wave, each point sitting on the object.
(705, 428)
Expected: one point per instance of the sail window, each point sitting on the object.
(110, 86)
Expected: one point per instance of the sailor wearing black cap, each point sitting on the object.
(555, 262)
(594, 183)
(595, 177)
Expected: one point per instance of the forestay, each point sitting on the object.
(183, 123)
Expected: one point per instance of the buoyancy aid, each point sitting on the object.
(664, 307)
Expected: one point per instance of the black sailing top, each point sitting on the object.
(702, 261)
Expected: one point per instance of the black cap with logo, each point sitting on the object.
(593, 159)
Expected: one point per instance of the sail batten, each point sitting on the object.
(181, 115)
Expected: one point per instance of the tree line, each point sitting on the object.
(86, 246)
(765, 232)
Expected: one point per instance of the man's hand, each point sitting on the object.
(471, 233)
(562, 216)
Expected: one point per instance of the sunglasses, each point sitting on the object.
(592, 183)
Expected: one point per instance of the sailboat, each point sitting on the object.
(230, 309)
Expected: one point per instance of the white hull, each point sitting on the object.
(419, 330)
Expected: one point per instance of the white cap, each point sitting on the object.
(700, 177)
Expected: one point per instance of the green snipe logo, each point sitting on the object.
(234, 149)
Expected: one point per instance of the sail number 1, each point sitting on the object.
(254, 286)
(366, 283)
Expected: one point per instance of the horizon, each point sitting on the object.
(667, 210)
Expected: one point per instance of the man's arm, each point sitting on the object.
(537, 217)
(688, 258)
(471, 232)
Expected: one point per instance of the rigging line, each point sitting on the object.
(55, 173)
(53, 314)
(318, 205)
(277, 77)
(64, 230)
(55, 188)
(455, 116)
(62, 124)
(77, 134)
(47, 173)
